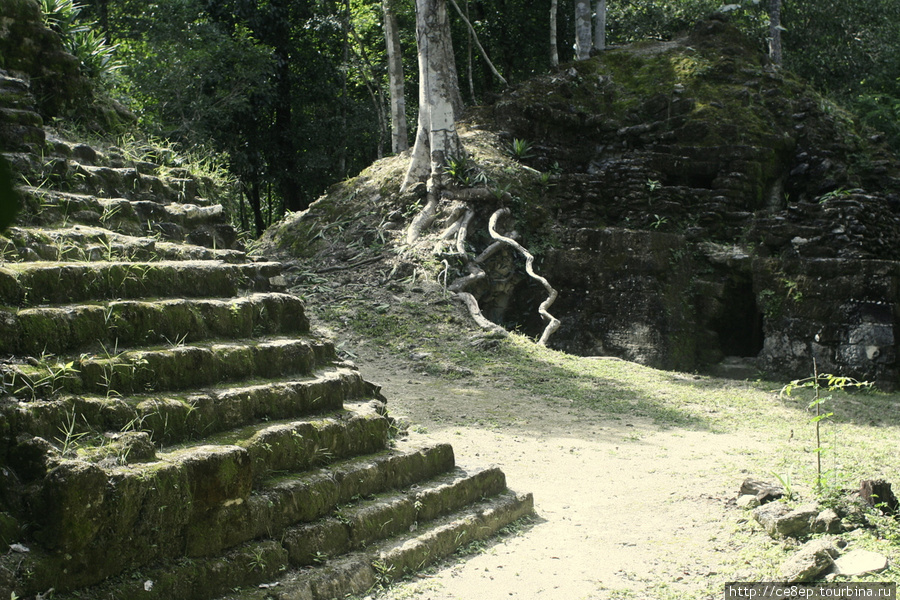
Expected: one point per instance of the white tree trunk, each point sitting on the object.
(775, 31)
(600, 25)
(583, 39)
(554, 50)
(439, 99)
(399, 135)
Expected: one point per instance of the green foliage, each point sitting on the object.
(636, 20)
(520, 149)
(819, 383)
(463, 171)
(383, 573)
(62, 16)
(787, 482)
(81, 38)
(851, 51)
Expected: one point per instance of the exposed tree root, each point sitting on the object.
(450, 246)
(552, 322)
(472, 304)
(423, 220)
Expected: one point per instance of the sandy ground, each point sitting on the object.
(624, 509)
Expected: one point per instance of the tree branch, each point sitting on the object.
(477, 43)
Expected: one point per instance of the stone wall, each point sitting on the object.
(28, 48)
(704, 205)
(841, 312)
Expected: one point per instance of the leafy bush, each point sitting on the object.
(81, 38)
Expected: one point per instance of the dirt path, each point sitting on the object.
(624, 509)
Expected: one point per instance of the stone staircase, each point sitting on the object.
(170, 427)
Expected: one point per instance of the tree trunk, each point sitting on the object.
(345, 28)
(368, 74)
(439, 99)
(554, 51)
(399, 135)
(600, 25)
(775, 31)
(583, 39)
(878, 494)
(286, 159)
(469, 57)
(251, 190)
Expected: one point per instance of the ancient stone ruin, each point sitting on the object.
(698, 204)
(170, 426)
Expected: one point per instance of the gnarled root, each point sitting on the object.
(456, 225)
(482, 321)
(552, 322)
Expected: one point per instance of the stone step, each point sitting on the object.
(78, 168)
(268, 569)
(37, 283)
(200, 225)
(212, 476)
(356, 527)
(134, 182)
(81, 243)
(15, 92)
(20, 116)
(358, 572)
(197, 506)
(21, 127)
(92, 327)
(117, 373)
(170, 419)
(288, 500)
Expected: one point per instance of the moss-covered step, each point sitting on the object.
(86, 243)
(101, 523)
(359, 525)
(36, 283)
(358, 572)
(170, 419)
(112, 372)
(135, 182)
(53, 208)
(269, 561)
(76, 511)
(68, 169)
(129, 323)
(288, 500)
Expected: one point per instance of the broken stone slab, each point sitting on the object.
(860, 562)
(780, 521)
(811, 560)
(827, 521)
(767, 514)
(747, 501)
(763, 491)
(798, 522)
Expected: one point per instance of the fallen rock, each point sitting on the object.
(797, 522)
(827, 521)
(812, 559)
(780, 521)
(767, 514)
(763, 491)
(859, 562)
(748, 501)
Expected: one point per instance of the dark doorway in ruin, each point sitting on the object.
(740, 327)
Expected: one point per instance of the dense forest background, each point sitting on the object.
(292, 95)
